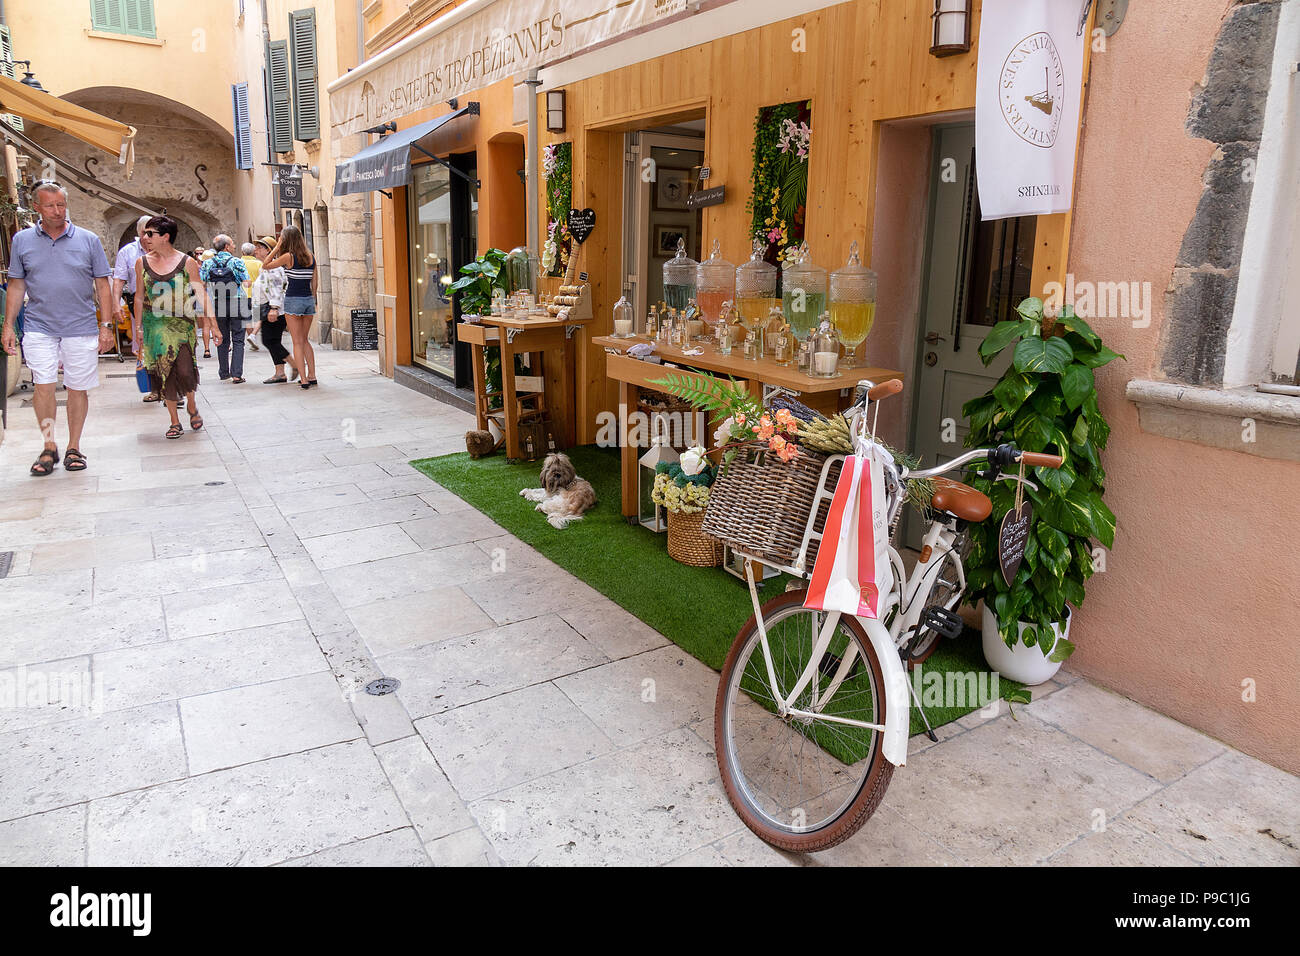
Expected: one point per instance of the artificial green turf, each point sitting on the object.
(698, 609)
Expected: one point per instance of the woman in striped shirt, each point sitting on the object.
(291, 254)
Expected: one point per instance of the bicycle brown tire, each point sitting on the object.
(874, 784)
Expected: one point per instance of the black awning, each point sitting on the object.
(387, 163)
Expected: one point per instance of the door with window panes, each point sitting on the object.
(975, 274)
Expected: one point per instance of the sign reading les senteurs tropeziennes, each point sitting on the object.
(502, 39)
(1027, 100)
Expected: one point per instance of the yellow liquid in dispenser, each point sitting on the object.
(853, 321)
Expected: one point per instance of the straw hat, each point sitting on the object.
(267, 241)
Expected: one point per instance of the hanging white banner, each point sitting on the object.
(1027, 99)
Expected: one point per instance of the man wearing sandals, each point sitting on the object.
(62, 270)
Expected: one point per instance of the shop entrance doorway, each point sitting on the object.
(659, 170)
(976, 273)
(442, 218)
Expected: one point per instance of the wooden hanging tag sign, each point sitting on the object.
(1014, 533)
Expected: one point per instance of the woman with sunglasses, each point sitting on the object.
(165, 279)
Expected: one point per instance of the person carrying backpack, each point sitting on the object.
(224, 275)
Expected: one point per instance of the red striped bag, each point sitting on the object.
(852, 572)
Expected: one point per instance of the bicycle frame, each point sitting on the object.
(905, 599)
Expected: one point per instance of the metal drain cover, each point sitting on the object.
(385, 685)
(214, 483)
(6, 562)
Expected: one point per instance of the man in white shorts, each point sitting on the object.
(61, 269)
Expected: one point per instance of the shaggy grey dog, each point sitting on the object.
(563, 496)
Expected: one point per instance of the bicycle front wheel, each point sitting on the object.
(807, 780)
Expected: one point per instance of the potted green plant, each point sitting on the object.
(1046, 401)
(478, 281)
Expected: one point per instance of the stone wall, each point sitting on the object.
(1228, 110)
(169, 149)
(352, 278)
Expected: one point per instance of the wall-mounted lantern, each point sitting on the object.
(952, 22)
(555, 111)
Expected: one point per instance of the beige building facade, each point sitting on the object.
(219, 94)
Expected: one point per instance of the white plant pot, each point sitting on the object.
(1028, 665)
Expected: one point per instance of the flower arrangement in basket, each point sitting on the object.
(682, 488)
(747, 422)
(761, 502)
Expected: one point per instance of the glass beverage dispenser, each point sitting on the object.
(679, 278)
(755, 292)
(803, 294)
(853, 304)
(715, 287)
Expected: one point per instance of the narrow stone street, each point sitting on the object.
(189, 625)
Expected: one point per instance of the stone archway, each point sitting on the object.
(184, 164)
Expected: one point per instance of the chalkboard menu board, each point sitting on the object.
(365, 331)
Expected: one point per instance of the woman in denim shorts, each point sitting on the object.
(292, 254)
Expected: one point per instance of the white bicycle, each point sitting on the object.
(813, 707)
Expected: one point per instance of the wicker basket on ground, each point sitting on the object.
(760, 504)
(688, 543)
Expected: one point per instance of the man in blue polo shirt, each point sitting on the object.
(62, 269)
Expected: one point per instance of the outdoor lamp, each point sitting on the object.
(28, 78)
(951, 27)
(649, 514)
(555, 111)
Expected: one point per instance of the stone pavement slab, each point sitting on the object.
(212, 610)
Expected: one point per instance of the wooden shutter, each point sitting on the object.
(280, 119)
(243, 130)
(302, 51)
(106, 15)
(8, 69)
(144, 16)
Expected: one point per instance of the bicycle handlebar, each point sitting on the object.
(885, 389)
(1034, 459)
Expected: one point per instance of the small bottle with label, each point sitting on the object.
(528, 447)
(550, 442)
(652, 324)
(783, 351)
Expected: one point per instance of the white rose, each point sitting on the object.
(723, 434)
(692, 461)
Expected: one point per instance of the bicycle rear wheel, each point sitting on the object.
(801, 783)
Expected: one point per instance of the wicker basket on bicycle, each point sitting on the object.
(760, 505)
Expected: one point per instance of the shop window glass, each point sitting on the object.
(431, 318)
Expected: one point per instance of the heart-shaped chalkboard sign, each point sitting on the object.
(581, 222)
(1012, 538)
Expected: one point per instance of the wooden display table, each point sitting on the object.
(549, 336)
(826, 395)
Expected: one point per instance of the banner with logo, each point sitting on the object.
(501, 40)
(1027, 100)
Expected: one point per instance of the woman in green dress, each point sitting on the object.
(168, 278)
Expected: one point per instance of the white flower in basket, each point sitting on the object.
(693, 460)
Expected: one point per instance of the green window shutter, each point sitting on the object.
(302, 52)
(243, 130)
(131, 17)
(8, 69)
(106, 15)
(144, 11)
(281, 116)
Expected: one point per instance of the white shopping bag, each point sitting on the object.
(853, 572)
